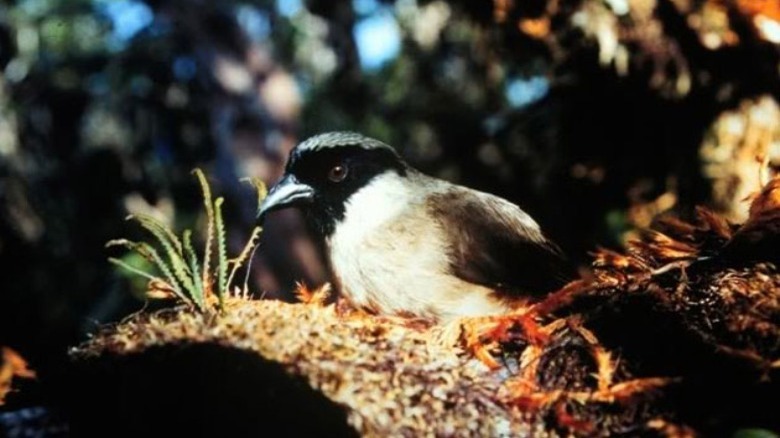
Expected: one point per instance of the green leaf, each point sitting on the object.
(132, 269)
(204, 185)
(148, 252)
(192, 257)
(221, 252)
(164, 230)
(172, 249)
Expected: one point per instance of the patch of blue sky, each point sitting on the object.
(289, 8)
(128, 17)
(521, 92)
(378, 39)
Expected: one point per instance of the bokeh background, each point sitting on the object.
(596, 116)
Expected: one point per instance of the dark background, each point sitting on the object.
(594, 116)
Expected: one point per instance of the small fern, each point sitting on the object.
(182, 275)
(221, 251)
(192, 258)
(204, 185)
(151, 254)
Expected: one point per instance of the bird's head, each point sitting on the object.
(324, 171)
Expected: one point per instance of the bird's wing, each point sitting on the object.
(494, 243)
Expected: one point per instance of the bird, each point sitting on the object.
(399, 242)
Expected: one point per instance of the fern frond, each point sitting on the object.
(182, 274)
(260, 188)
(172, 249)
(192, 257)
(245, 253)
(222, 261)
(159, 231)
(148, 252)
(166, 271)
(262, 191)
(204, 185)
(132, 246)
(142, 248)
(162, 229)
(132, 268)
(245, 290)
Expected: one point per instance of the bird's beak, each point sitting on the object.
(287, 192)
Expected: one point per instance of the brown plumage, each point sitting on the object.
(400, 242)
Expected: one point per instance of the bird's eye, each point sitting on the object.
(337, 173)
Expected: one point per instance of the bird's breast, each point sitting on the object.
(388, 256)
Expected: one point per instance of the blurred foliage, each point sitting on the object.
(596, 116)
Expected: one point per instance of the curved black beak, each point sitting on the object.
(288, 192)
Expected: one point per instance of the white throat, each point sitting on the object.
(373, 206)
